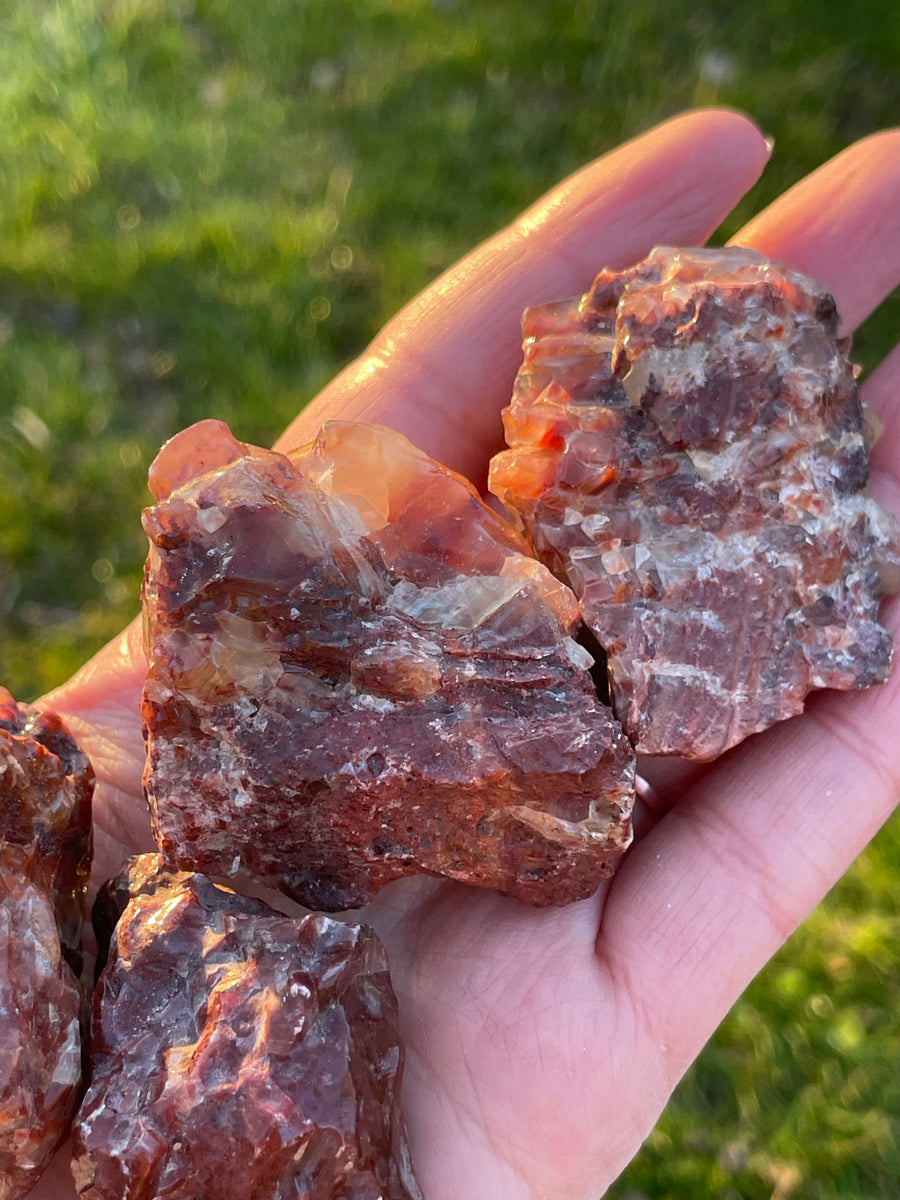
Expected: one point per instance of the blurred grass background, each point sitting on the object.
(207, 208)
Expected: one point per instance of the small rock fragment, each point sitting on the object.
(239, 1053)
(688, 452)
(356, 673)
(46, 786)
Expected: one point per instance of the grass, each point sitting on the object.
(209, 207)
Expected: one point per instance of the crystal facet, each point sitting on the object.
(46, 785)
(239, 1052)
(356, 673)
(687, 451)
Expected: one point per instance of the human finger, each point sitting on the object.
(880, 390)
(881, 393)
(841, 224)
(443, 368)
(101, 705)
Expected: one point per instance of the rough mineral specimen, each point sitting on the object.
(239, 1053)
(46, 785)
(688, 453)
(356, 674)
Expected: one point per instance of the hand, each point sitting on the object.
(542, 1045)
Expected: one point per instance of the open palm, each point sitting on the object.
(543, 1044)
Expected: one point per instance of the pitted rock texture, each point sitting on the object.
(46, 785)
(46, 788)
(239, 1053)
(687, 451)
(356, 673)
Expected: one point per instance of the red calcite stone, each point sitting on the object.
(45, 848)
(356, 673)
(46, 787)
(40, 1031)
(239, 1053)
(687, 452)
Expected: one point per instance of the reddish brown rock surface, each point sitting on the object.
(239, 1053)
(45, 844)
(687, 451)
(356, 674)
(46, 786)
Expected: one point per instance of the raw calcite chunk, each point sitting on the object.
(40, 1031)
(687, 452)
(356, 674)
(46, 785)
(239, 1053)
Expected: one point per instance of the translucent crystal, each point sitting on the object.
(46, 786)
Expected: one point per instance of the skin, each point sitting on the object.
(543, 1045)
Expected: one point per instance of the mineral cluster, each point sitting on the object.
(239, 1052)
(687, 452)
(357, 672)
(46, 786)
